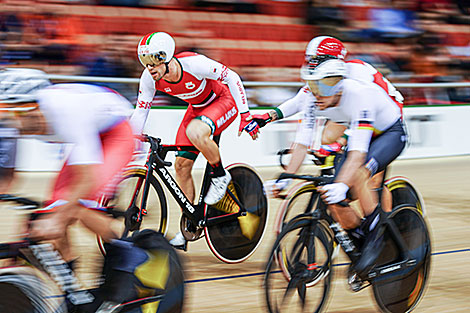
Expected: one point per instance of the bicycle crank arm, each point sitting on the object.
(390, 272)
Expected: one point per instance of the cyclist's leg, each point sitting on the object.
(185, 159)
(376, 182)
(382, 151)
(332, 132)
(117, 145)
(212, 120)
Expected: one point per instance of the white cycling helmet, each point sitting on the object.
(325, 78)
(155, 49)
(328, 68)
(19, 85)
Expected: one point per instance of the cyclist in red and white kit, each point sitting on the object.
(215, 95)
(334, 136)
(93, 120)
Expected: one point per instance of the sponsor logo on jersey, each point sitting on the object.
(364, 114)
(223, 74)
(190, 85)
(144, 105)
(229, 114)
(241, 91)
(167, 89)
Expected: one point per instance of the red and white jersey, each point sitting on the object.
(203, 80)
(360, 70)
(79, 113)
(304, 101)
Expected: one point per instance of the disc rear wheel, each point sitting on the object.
(403, 293)
(234, 241)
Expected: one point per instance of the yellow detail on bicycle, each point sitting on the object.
(227, 204)
(248, 223)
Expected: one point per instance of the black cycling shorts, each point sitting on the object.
(383, 149)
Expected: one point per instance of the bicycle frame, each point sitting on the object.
(45, 258)
(343, 239)
(195, 212)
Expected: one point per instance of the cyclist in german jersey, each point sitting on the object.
(377, 137)
(215, 95)
(334, 135)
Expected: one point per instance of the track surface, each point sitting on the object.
(213, 286)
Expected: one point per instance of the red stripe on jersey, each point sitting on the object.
(186, 54)
(379, 80)
(357, 61)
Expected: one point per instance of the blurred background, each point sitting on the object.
(262, 40)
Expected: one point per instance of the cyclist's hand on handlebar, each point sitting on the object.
(274, 187)
(261, 119)
(334, 193)
(326, 150)
(250, 126)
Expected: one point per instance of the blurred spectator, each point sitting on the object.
(236, 6)
(108, 60)
(391, 23)
(11, 26)
(58, 35)
(327, 15)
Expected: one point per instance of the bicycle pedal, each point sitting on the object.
(355, 283)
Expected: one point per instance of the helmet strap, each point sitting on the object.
(167, 68)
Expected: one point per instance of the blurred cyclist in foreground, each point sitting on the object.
(215, 95)
(94, 121)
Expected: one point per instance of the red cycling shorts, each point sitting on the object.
(117, 147)
(219, 114)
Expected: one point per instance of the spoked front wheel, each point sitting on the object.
(401, 292)
(128, 201)
(234, 241)
(299, 270)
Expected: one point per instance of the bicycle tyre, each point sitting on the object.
(157, 208)
(404, 193)
(290, 260)
(295, 203)
(404, 293)
(227, 241)
(26, 293)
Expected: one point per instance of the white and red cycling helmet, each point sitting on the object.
(155, 49)
(326, 45)
(323, 48)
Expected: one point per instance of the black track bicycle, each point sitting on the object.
(34, 278)
(299, 270)
(233, 227)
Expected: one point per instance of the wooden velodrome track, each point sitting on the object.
(213, 286)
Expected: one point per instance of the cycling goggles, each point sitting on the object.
(325, 87)
(152, 59)
(312, 61)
